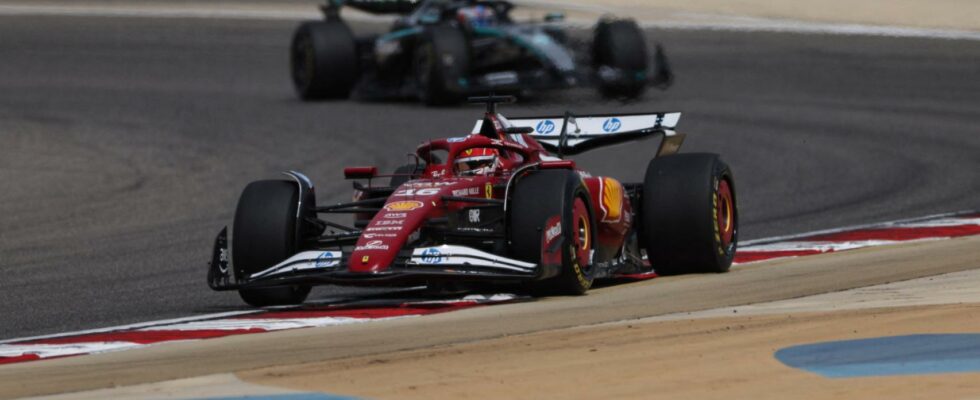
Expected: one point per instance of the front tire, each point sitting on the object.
(323, 60)
(619, 56)
(689, 215)
(550, 209)
(264, 234)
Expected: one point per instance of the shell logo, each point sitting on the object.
(612, 200)
(403, 205)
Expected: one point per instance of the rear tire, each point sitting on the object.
(440, 65)
(263, 235)
(323, 60)
(619, 56)
(540, 200)
(689, 215)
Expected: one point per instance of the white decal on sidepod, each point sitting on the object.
(466, 192)
(552, 232)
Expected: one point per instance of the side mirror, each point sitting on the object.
(558, 164)
(360, 172)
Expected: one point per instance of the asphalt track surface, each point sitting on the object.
(124, 144)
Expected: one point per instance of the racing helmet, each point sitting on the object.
(478, 16)
(478, 161)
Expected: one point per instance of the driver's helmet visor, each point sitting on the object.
(475, 165)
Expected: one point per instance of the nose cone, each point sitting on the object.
(404, 213)
(385, 235)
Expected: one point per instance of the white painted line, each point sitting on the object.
(202, 12)
(821, 246)
(476, 298)
(751, 24)
(941, 223)
(58, 350)
(154, 12)
(722, 23)
(266, 324)
(136, 326)
(854, 228)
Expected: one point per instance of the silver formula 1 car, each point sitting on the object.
(441, 51)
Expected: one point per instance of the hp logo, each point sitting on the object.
(327, 259)
(545, 127)
(612, 125)
(431, 256)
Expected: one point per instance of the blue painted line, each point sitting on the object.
(893, 355)
(286, 396)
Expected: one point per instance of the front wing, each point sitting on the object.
(412, 266)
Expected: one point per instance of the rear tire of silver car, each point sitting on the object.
(440, 65)
(688, 213)
(323, 60)
(619, 50)
(560, 195)
(264, 234)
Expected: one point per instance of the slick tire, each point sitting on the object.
(440, 65)
(619, 45)
(689, 218)
(540, 201)
(323, 60)
(264, 234)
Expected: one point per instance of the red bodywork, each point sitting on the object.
(420, 200)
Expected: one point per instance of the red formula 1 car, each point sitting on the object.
(500, 205)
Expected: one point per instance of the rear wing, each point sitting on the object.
(570, 134)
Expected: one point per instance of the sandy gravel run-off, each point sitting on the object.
(299, 348)
(717, 358)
